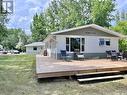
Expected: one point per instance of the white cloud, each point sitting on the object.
(24, 12)
(34, 10)
(35, 2)
(21, 19)
(43, 3)
(31, 20)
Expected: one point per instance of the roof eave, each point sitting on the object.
(93, 26)
(48, 37)
(108, 31)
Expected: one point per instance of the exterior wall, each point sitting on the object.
(48, 48)
(92, 48)
(92, 45)
(29, 50)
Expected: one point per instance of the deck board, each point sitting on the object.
(48, 67)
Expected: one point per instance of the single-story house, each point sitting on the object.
(92, 40)
(35, 48)
(1, 47)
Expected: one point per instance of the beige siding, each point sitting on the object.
(91, 43)
(87, 32)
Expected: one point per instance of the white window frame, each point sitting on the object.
(105, 39)
(80, 43)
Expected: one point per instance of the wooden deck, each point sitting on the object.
(48, 67)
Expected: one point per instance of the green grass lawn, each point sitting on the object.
(17, 77)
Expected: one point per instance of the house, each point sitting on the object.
(34, 48)
(92, 40)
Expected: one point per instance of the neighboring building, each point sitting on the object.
(92, 40)
(35, 48)
(1, 47)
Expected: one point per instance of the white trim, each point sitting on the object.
(76, 36)
(105, 39)
(35, 44)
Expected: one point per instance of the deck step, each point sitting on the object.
(109, 72)
(100, 78)
(97, 74)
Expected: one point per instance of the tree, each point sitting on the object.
(101, 12)
(117, 17)
(3, 29)
(22, 40)
(123, 45)
(121, 27)
(64, 14)
(38, 27)
(16, 39)
(120, 16)
(9, 42)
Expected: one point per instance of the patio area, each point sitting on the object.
(47, 67)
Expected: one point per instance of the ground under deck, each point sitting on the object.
(48, 67)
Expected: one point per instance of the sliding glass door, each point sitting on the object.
(75, 44)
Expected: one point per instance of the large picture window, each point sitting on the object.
(73, 44)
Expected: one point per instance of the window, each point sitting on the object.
(34, 48)
(83, 44)
(67, 40)
(107, 42)
(75, 44)
(67, 44)
(103, 42)
(83, 41)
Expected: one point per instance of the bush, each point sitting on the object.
(123, 45)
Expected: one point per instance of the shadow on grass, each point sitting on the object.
(73, 78)
(55, 79)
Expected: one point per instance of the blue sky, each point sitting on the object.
(24, 10)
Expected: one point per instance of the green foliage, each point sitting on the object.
(16, 39)
(3, 32)
(101, 12)
(123, 45)
(3, 29)
(121, 27)
(9, 42)
(64, 14)
(38, 28)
